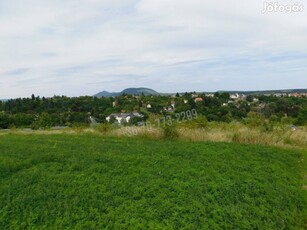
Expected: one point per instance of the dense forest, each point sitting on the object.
(36, 112)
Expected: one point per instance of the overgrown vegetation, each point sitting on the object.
(91, 182)
(170, 133)
(269, 134)
(43, 112)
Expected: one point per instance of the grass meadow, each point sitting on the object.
(91, 181)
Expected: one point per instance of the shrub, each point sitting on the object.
(170, 132)
(274, 119)
(302, 117)
(201, 122)
(42, 121)
(267, 127)
(212, 117)
(5, 121)
(287, 120)
(254, 120)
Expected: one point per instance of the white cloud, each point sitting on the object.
(166, 44)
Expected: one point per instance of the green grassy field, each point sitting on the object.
(94, 182)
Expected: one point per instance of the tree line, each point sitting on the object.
(40, 112)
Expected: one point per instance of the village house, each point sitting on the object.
(198, 99)
(122, 118)
(297, 94)
(194, 95)
(237, 96)
(168, 109)
(234, 96)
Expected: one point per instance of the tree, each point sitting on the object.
(4, 121)
(225, 96)
(302, 117)
(249, 98)
(22, 120)
(44, 120)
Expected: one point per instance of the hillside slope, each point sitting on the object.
(133, 91)
(90, 182)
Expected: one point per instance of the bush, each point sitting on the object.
(170, 133)
(201, 122)
(274, 119)
(267, 127)
(5, 121)
(288, 120)
(302, 117)
(212, 117)
(23, 120)
(42, 121)
(254, 120)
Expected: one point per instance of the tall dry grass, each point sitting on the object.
(282, 136)
(279, 136)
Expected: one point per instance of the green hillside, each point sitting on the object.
(92, 182)
(132, 91)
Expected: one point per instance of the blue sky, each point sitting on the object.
(81, 47)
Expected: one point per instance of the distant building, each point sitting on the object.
(297, 94)
(235, 96)
(169, 109)
(124, 117)
(198, 99)
(148, 106)
(194, 95)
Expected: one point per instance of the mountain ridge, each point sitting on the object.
(133, 91)
(148, 91)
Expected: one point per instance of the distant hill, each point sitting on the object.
(133, 91)
(147, 91)
(106, 94)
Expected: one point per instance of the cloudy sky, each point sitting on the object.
(81, 47)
